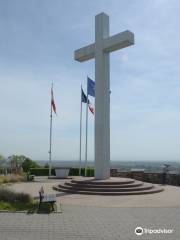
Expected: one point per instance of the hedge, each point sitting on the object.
(41, 171)
(72, 172)
(75, 172)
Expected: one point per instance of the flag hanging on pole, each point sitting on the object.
(53, 105)
(52, 108)
(91, 108)
(91, 92)
(91, 87)
(84, 100)
(83, 97)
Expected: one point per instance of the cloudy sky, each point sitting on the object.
(37, 42)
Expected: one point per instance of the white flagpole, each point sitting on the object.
(80, 134)
(50, 135)
(86, 132)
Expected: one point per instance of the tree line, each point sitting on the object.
(16, 164)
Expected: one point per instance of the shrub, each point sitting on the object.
(41, 171)
(11, 178)
(7, 195)
(23, 197)
(72, 172)
(90, 172)
(75, 172)
(1, 180)
(15, 178)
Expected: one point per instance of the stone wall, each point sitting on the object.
(172, 179)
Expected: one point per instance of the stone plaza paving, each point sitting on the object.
(96, 217)
(76, 222)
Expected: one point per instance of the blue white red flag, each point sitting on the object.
(84, 100)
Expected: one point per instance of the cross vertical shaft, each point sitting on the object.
(102, 99)
(100, 50)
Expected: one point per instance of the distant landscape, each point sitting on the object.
(148, 166)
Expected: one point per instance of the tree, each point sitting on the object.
(15, 163)
(21, 163)
(28, 163)
(46, 165)
(3, 163)
(2, 160)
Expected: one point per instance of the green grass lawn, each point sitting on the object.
(18, 206)
(32, 207)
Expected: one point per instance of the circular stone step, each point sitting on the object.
(89, 185)
(107, 189)
(111, 186)
(109, 181)
(154, 190)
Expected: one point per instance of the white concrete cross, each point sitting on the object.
(104, 44)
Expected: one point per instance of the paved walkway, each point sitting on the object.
(96, 217)
(89, 223)
(168, 198)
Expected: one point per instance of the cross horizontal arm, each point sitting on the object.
(118, 41)
(85, 53)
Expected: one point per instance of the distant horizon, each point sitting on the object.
(111, 160)
(148, 165)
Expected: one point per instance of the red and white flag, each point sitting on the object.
(53, 105)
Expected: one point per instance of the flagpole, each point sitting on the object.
(86, 132)
(80, 134)
(50, 135)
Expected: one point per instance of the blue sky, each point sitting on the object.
(37, 43)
